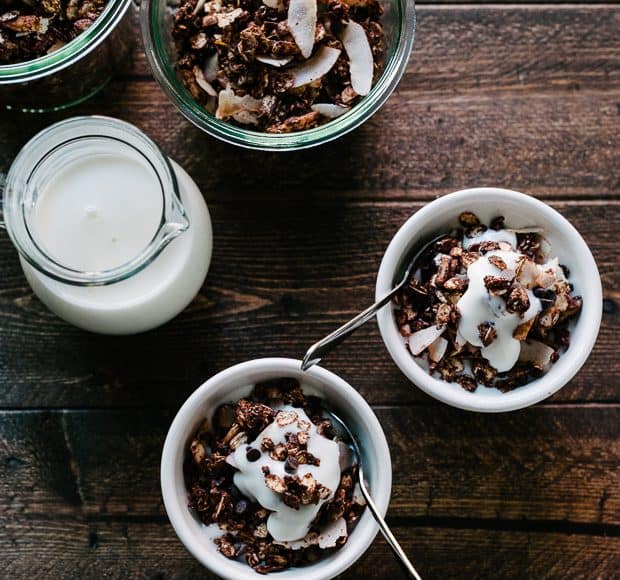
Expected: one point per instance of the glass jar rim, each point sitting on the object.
(173, 220)
(66, 55)
(394, 69)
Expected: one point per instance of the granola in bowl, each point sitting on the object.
(29, 30)
(271, 480)
(279, 66)
(488, 305)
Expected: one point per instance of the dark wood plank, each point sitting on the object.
(282, 277)
(84, 549)
(547, 468)
(515, 96)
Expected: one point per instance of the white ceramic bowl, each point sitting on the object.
(519, 210)
(229, 386)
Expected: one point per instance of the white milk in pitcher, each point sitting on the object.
(102, 212)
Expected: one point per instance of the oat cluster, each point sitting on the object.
(428, 316)
(215, 498)
(32, 28)
(279, 66)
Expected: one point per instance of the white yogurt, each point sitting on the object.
(98, 213)
(101, 213)
(285, 523)
(477, 306)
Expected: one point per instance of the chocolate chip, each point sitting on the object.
(252, 454)
(291, 464)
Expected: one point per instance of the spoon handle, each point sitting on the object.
(319, 349)
(387, 533)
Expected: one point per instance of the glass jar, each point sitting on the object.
(74, 72)
(156, 21)
(161, 275)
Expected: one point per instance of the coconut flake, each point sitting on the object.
(275, 4)
(211, 67)
(536, 352)
(360, 56)
(230, 104)
(316, 67)
(246, 118)
(199, 6)
(226, 19)
(329, 110)
(277, 62)
(329, 536)
(203, 83)
(437, 349)
(302, 24)
(422, 339)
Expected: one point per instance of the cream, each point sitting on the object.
(286, 524)
(477, 306)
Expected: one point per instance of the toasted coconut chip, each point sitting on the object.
(527, 272)
(422, 339)
(230, 104)
(199, 6)
(437, 349)
(246, 118)
(361, 63)
(330, 110)
(546, 278)
(226, 19)
(521, 332)
(329, 536)
(302, 24)
(358, 496)
(275, 4)
(203, 83)
(536, 352)
(211, 67)
(277, 62)
(316, 67)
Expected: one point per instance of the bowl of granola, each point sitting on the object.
(501, 311)
(256, 479)
(278, 74)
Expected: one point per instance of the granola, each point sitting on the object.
(271, 474)
(30, 29)
(279, 66)
(488, 305)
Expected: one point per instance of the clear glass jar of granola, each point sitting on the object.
(74, 71)
(157, 22)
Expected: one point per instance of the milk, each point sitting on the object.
(100, 213)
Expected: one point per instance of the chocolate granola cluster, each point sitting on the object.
(428, 316)
(216, 500)
(30, 29)
(251, 62)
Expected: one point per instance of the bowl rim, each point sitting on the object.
(192, 409)
(394, 69)
(536, 390)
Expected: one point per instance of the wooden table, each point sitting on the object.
(524, 96)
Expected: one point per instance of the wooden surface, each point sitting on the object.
(524, 96)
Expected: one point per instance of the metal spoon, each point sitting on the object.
(385, 530)
(319, 349)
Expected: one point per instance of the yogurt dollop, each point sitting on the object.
(477, 307)
(286, 523)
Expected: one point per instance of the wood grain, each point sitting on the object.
(516, 96)
(102, 549)
(557, 465)
(282, 277)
